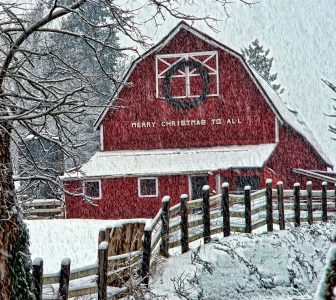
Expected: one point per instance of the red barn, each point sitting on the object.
(190, 112)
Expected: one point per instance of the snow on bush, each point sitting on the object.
(278, 265)
(327, 285)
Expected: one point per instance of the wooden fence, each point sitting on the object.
(185, 223)
(42, 209)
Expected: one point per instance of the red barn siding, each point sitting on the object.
(294, 152)
(238, 98)
(120, 198)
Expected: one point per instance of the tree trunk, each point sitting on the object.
(15, 263)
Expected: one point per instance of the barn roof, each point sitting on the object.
(172, 161)
(283, 111)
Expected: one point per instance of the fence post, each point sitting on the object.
(225, 208)
(248, 215)
(310, 202)
(281, 205)
(64, 279)
(269, 205)
(184, 224)
(206, 214)
(102, 270)
(38, 277)
(146, 255)
(296, 204)
(324, 201)
(164, 246)
(101, 236)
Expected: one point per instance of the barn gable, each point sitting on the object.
(143, 110)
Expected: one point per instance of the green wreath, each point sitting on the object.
(178, 66)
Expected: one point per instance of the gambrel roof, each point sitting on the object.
(285, 114)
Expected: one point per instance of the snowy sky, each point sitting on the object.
(300, 36)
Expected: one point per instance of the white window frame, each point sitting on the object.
(100, 189)
(192, 55)
(156, 187)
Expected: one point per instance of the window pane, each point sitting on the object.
(92, 189)
(197, 183)
(242, 181)
(148, 187)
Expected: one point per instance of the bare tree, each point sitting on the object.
(332, 86)
(42, 92)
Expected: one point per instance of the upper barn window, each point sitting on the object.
(92, 189)
(187, 75)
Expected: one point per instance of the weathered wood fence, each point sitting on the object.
(181, 225)
(42, 209)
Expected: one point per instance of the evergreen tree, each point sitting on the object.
(257, 57)
(98, 63)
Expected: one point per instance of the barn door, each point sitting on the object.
(196, 183)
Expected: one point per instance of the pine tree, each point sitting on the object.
(257, 57)
(99, 64)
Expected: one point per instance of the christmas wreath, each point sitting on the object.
(178, 66)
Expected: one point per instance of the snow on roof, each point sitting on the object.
(281, 109)
(291, 116)
(172, 161)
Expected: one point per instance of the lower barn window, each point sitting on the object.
(148, 187)
(92, 189)
(242, 181)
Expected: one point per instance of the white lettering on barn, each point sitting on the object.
(143, 124)
(182, 123)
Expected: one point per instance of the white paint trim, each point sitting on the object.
(156, 187)
(189, 186)
(100, 189)
(101, 137)
(218, 184)
(187, 54)
(156, 78)
(277, 139)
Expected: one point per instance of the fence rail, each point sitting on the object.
(42, 209)
(186, 222)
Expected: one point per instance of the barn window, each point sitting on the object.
(196, 184)
(148, 187)
(92, 189)
(187, 82)
(252, 181)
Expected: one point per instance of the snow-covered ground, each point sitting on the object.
(282, 265)
(76, 239)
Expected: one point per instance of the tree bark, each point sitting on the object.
(15, 264)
